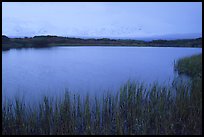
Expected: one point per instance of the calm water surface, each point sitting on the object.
(49, 71)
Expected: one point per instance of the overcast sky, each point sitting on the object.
(101, 19)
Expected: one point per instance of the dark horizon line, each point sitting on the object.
(119, 38)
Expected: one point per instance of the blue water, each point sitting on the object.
(93, 70)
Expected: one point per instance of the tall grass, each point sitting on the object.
(191, 66)
(134, 110)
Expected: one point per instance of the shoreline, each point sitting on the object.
(55, 41)
(112, 46)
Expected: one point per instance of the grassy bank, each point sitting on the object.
(191, 66)
(134, 110)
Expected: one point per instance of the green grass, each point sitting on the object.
(191, 66)
(134, 110)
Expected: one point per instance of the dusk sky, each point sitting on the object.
(101, 19)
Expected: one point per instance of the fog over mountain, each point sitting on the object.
(145, 21)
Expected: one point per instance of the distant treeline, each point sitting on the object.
(47, 41)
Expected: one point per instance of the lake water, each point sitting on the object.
(93, 70)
